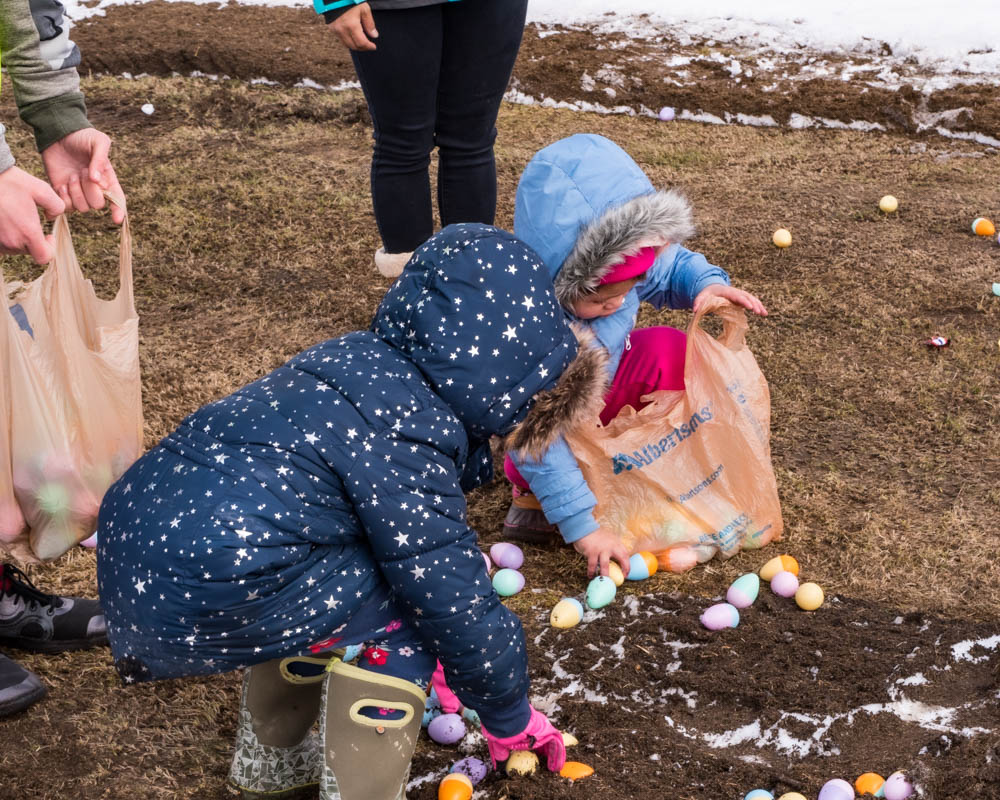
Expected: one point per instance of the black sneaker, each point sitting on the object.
(46, 623)
(18, 687)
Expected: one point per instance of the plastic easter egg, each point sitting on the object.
(489, 565)
(567, 613)
(809, 597)
(888, 204)
(575, 770)
(53, 499)
(758, 794)
(641, 566)
(352, 651)
(776, 565)
(615, 573)
(704, 552)
(897, 787)
(472, 768)
(836, 789)
(522, 762)
(672, 532)
(569, 740)
(430, 714)
(507, 555)
(981, 227)
(677, 559)
(508, 582)
(446, 729)
(90, 541)
(792, 796)
(743, 590)
(666, 114)
(869, 783)
(782, 238)
(719, 616)
(455, 786)
(785, 584)
(600, 592)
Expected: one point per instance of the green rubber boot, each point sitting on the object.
(364, 758)
(277, 754)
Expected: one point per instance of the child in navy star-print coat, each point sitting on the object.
(321, 507)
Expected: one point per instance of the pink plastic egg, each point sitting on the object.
(837, 789)
(446, 729)
(719, 616)
(666, 114)
(489, 565)
(507, 555)
(785, 584)
(897, 787)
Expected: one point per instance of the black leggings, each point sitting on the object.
(436, 80)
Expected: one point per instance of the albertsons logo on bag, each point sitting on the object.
(652, 451)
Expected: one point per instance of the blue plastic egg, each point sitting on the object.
(758, 794)
(600, 592)
(743, 590)
(508, 582)
(638, 568)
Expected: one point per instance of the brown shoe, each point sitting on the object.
(526, 522)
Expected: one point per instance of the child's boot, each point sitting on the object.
(277, 754)
(391, 264)
(366, 758)
(525, 521)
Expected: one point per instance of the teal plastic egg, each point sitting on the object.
(508, 582)
(743, 590)
(758, 794)
(600, 592)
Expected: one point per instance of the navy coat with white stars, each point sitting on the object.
(270, 517)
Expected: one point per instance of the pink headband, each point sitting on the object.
(631, 266)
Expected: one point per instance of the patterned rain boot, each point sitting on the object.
(525, 521)
(365, 758)
(277, 755)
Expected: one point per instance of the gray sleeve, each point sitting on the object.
(6, 159)
(41, 60)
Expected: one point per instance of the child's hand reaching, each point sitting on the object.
(733, 295)
(600, 547)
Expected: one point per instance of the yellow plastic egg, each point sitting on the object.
(567, 613)
(574, 770)
(791, 796)
(782, 237)
(809, 596)
(455, 786)
(869, 783)
(569, 740)
(983, 227)
(778, 564)
(522, 762)
(888, 204)
(615, 573)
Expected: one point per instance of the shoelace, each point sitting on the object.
(15, 583)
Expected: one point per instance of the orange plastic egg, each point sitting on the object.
(455, 786)
(651, 563)
(777, 564)
(869, 783)
(574, 770)
(677, 559)
(983, 227)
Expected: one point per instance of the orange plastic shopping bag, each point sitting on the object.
(72, 419)
(689, 476)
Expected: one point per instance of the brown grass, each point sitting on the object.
(253, 240)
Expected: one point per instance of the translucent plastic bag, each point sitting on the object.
(689, 476)
(73, 412)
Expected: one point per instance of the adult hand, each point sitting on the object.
(539, 735)
(21, 195)
(600, 547)
(733, 295)
(356, 28)
(80, 170)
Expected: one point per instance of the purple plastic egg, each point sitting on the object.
(472, 768)
(897, 787)
(446, 729)
(666, 114)
(785, 584)
(719, 616)
(507, 555)
(836, 789)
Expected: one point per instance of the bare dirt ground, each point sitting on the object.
(253, 240)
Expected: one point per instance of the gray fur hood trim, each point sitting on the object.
(648, 220)
(576, 398)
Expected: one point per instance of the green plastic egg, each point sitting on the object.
(600, 592)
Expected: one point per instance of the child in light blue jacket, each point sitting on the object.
(610, 240)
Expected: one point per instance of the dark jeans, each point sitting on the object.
(436, 80)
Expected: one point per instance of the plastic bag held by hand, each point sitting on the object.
(450, 704)
(539, 735)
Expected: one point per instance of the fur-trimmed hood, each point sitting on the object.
(578, 397)
(583, 205)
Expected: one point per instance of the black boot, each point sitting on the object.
(18, 687)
